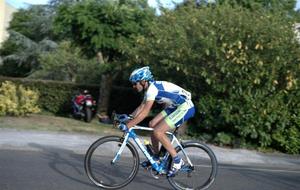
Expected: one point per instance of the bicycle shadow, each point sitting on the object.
(70, 165)
(64, 162)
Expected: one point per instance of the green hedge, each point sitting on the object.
(55, 97)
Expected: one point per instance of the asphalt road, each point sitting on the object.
(27, 163)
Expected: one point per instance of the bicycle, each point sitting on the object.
(112, 162)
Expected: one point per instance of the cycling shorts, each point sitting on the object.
(176, 116)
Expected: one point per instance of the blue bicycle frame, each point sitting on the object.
(132, 135)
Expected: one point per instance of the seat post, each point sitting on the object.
(175, 132)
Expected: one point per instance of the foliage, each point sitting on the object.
(104, 26)
(55, 96)
(272, 5)
(30, 35)
(67, 64)
(22, 59)
(34, 22)
(244, 73)
(17, 100)
(224, 139)
(107, 30)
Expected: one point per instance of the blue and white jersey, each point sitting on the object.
(167, 93)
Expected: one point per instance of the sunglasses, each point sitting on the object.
(134, 83)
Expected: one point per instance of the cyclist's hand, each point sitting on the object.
(124, 118)
(123, 127)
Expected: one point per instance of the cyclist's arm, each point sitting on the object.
(144, 111)
(138, 109)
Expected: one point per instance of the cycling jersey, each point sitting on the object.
(177, 101)
(167, 93)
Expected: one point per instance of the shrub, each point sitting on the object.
(243, 73)
(224, 139)
(17, 100)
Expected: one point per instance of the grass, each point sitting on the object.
(48, 122)
(54, 123)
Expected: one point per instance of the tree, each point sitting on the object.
(21, 57)
(106, 30)
(272, 5)
(66, 63)
(35, 22)
(30, 35)
(243, 72)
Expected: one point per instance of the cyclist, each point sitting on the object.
(178, 109)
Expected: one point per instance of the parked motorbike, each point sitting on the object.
(84, 106)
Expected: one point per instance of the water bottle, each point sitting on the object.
(148, 147)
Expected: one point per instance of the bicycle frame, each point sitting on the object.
(132, 135)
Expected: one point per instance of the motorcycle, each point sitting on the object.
(84, 107)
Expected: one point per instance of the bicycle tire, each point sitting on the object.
(202, 157)
(102, 172)
(88, 114)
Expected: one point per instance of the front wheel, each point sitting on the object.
(100, 169)
(88, 114)
(198, 173)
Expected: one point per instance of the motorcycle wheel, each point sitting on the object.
(88, 114)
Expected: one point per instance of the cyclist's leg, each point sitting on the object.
(154, 140)
(154, 122)
(155, 143)
(160, 133)
(174, 119)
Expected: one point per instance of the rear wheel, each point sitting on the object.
(100, 169)
(201, 173)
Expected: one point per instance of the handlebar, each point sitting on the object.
(120, 118)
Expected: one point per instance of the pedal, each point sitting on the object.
(154, 174)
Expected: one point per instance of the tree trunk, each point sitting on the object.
(104, 92)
